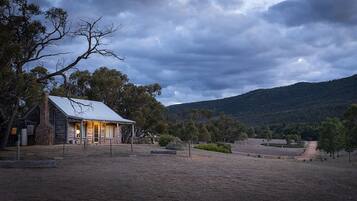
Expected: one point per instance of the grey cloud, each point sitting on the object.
(298, 12)
(200, 50)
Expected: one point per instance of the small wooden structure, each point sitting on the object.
(61, 120)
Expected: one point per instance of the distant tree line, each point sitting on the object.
(305, 131)
(200, 126)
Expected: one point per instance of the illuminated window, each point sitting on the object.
(109, 132)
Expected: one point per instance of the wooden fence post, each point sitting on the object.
(132, 137)
(111, 152)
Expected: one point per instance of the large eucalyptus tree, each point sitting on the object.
(26, 33)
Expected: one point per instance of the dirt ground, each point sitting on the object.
(92, 174)
(253, 146)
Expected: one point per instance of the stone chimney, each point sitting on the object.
(44, 131)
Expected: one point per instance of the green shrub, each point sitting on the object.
(225, 145)
(214, 147)
(165, 139)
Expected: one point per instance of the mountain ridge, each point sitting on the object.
(302, 102)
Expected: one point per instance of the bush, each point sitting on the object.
(215, 147)
(225, 145)
(165, 139)
(175, 144)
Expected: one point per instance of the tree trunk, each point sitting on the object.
(349, 156)
(189, 148)
(9, 126)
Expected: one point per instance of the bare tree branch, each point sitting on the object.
(47, 55)
(58, 22)
(94, 36)
(73, 102)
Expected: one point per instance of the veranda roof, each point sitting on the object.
(87, 110)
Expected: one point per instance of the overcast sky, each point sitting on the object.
(208, 49)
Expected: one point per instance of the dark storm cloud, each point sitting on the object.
(204, 49)
(297, 12)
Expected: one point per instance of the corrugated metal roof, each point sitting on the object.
(87, 110)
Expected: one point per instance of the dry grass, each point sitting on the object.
(253, 146)
(94, 175)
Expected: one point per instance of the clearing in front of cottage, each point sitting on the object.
(92, 174)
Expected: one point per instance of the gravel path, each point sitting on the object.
(310, 152)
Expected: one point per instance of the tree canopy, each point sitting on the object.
(332, 136)
(350, 122)
(114, 89)
(201, 127)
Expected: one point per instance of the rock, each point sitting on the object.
(164, 152)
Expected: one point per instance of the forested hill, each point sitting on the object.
(298, 103)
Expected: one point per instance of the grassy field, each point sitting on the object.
(92, 174)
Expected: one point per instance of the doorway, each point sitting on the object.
(96, 133)
(109, 132)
